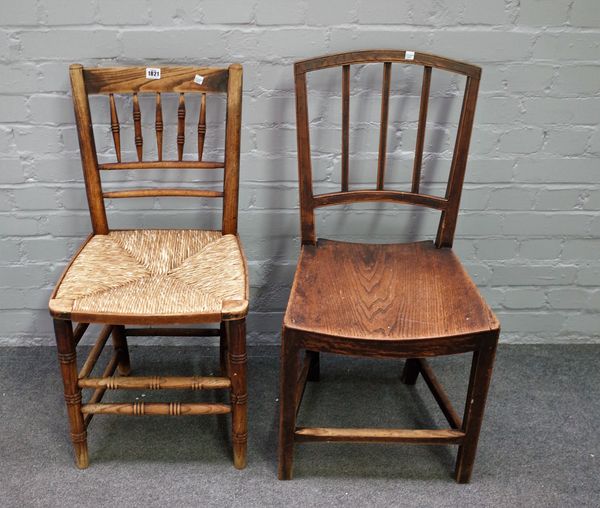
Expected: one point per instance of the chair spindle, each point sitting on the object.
(180, 126)
(137, 122)
(114, 126)
(385, 102)
(201, 126)
(345, 124)
(416, 179)
(158, 125)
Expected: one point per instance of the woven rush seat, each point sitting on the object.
(153, 272)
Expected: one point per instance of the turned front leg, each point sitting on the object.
(67, 358)
(236, 339)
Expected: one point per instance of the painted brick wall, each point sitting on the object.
(528, 232)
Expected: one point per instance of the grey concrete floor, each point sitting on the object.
(540, 445)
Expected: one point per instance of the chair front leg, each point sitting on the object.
(236, 345)
(479, 382)
(287, 401)
(67, 358)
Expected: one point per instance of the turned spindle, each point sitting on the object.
(137, 122)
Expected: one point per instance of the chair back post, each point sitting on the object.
(307, 208)
(87, 146)
(231, 184)
(447, 205)
(447, 226)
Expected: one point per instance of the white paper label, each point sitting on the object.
(199, 79)
(152, 73)
(409, 55)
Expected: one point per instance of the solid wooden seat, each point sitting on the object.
(137, 276)
(408, 301)
(153, 277)
(384, 292)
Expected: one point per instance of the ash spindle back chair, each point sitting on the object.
(411, 300)
(154, 277)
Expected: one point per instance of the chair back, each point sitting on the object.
(184, 81)
(447, 205)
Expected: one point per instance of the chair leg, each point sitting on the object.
(223, 350)
(479, 382)
(314, 371)
(287, 401)
(236, 339)
(119, 339)
(410, 372)
(67, 357)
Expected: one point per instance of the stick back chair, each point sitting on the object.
(404, 300)
(154, 277)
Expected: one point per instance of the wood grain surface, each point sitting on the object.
(386, 291)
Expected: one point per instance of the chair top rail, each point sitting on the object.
(387, 55)
(106, 80)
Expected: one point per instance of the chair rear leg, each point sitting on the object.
(236, 339)
(410, 372)
(287, 401)
(119, 339)
(67, 358)
(314, 371)
(479, 382)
